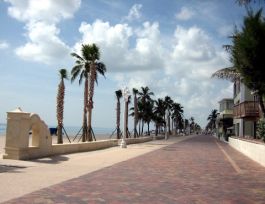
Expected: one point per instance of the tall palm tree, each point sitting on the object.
(118, 112)
(135, 92)
(88, 66)
(247, 53)
(60, 104)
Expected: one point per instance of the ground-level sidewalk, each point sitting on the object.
(18, 178)
(197, 170)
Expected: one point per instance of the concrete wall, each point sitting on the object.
(254, 151)
(19, 124)
(57, 149)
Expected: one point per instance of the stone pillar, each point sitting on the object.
(17, 134)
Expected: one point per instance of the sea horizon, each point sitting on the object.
(70, 130)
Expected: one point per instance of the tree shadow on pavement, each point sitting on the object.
(10, 168)
(52, 160)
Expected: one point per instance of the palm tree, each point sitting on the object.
(88, 66)
(212, 119)
(168, 104)
(159, 113)
(192, 123)
(60, 104)
(145, 94)
(247, 55)
(135, 92)
(177, 114)
(118, 112)
(144, 97)
(148, 114)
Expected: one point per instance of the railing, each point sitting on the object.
(246, 109)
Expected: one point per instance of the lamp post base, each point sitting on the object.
(123, 144)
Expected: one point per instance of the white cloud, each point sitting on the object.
(42, 10)
(117, 52)
(194, 54)
(184, 14)
(3, 45)
(135, 12)
(41, 18)
(44, 44)
(188, 65)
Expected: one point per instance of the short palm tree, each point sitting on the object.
(60, 104)
(88, 65)
(212, 118)
(192, 123)
(144, 96)
(177, 114)
(159, 113)
(118, 112)
(168, 104)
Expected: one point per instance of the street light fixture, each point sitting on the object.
(126, 94)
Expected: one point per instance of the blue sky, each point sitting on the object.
(171, 46)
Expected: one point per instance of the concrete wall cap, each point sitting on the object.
(17, 110)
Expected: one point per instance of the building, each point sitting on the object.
(224, 120)
(246, 111)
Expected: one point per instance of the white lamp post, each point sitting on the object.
(125, 93)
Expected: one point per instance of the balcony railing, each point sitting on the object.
(246, 109)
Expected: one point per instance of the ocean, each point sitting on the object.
(101, 133)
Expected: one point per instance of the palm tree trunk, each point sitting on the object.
(142, 127)
(92, 78)
(59, 134)
(118, 118)
(261, 103)
(169, 131)
(148, 124)
(135, 116)
(84, 133)
(60, 107)
(139, 127)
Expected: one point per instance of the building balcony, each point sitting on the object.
(246, 109)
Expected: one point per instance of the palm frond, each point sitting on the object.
(118, 94)
(229, 73)
(77, 56)
(63, 74)
(75, 72)
(101, 68)
(82, 75)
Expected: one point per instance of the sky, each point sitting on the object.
(171, 46)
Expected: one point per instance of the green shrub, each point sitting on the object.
(261, 129)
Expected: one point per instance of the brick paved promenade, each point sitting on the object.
(197, 170)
